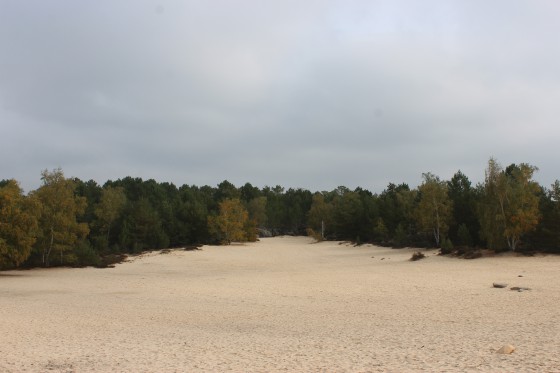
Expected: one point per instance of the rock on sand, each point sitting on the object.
(506, 349)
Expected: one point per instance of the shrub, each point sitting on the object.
(85, 255)
(446, 246)
(316, 235)
(472, 254)
(400, 238)
(417, 255)
(464, 236)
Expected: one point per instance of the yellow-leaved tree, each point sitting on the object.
(18, 224)
(60, 230)
(521, 205)
(109, 209)
(510, 204)
(434, 209)
(231, 222)
(319, 217)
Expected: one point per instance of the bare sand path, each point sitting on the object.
(283, 304)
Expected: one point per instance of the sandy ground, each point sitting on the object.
(283, 304)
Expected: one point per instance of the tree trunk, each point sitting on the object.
(108, 233)
(46, 260)
(512, 243)
(436, 230)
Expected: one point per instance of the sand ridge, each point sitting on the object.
(283, 304)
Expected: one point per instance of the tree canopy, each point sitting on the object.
(18, 224)
(510, 204)
(231, 222)
(60, 230)
(67, 221)
(434, 208)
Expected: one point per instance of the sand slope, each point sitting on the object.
(283, 304)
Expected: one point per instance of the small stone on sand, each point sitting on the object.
(499, 285)
(506, 349)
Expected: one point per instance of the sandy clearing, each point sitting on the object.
(283, 304)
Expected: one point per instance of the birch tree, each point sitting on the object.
(434, 209)
(60, 230)
(319, 216)
(18, 224)
(555, 192)
(257, 211)
(109, 208)
(510, 204)
(231, 222)
(491, 222)
(520, 208)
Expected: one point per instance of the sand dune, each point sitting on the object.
(284, 304)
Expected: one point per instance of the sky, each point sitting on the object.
(313, 94)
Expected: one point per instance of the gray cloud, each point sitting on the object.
(302, 94)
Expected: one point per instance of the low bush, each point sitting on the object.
(316, 235)
(417, 255)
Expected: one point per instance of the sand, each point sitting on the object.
(284, 304)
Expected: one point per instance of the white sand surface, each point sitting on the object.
(284, 304)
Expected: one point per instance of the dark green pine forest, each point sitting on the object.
(71, 222)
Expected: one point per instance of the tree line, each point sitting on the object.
(71, 222)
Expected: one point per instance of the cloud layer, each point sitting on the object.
(302, 94)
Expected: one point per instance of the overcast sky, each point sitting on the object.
(311, 94)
